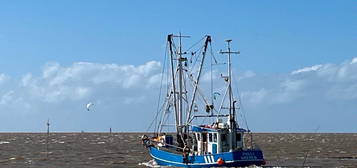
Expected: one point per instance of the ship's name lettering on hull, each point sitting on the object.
(248, 156)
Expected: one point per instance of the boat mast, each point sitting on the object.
(169, 39)
(178, 102)
(230, 94)
(180, 60)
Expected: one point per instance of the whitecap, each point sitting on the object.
(4, 142)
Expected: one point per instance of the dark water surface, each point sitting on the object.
(104, 150)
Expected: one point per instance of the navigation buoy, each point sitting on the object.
(220, 161)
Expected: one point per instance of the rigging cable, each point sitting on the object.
(196, 60)
(158, 104)
(196, 43)
(215, 60)
(243, 113)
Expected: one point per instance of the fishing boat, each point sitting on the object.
(197, 124)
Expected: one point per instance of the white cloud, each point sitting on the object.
(27, 80)
(62, 91)
(125, 76)
(289, 90)
(307, 69)
(344, 92)
(7, 97)
(321, 95)
(292, 85)
(325, 81)
(134, 100)
(81, 82)
(3, 78)
(284, 92)
(255, 97)
(50, 69)
(247, 74)
(208, 75)
(354, 60)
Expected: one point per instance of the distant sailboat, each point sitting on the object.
(219, 143)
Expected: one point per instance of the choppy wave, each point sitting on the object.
(104, 150)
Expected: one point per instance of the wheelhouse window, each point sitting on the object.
(239, 137)
(204, 137)
(198, 136)
(214, 137)
(210, 137)
(223, 137)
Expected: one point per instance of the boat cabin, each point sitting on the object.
(208, 139)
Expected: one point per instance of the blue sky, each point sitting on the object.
(58, 55)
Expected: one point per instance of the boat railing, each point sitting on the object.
(167, 146)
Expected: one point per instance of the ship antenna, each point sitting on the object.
(229, 52)
(229, 80)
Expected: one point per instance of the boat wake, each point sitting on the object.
(151, 163)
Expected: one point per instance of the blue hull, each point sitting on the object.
(231, 159)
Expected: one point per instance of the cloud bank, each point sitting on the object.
(323, 95)
(125, 98)
(60, 93)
